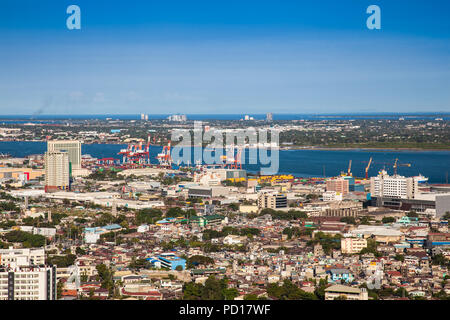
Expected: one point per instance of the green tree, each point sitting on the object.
(105, 275)
(62, 261)
(412, 214)
(399, 257)
(27, 239)
(388, 220)
(148, 215)
(371, 248)
(289, 291)
(138, 264)
(179, 268)
(175, 212)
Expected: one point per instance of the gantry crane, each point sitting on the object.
(165, 158)
(136, 154)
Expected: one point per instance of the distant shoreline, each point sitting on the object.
(287, 148)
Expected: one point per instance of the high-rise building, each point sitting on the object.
(57, 174)
(72, 147)
(269, 116)
(396, 186)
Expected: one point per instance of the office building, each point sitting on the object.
(344, 209)
(272, 201)
(351, 183)
(396, 186)
(339, 185)
(422, 202)
(57, 173)
(331, 196)
(207, 192)
(72, 147)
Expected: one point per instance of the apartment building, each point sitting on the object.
(353, 245)
(28, 283)
(272, 201)
(339, 185)
(72, 147)
(21, 257)
(56, 171)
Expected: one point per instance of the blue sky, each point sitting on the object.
(224, 57)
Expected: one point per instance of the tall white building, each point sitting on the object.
(396, 186)
(57, 173)
(24, 276)
(28, 283)
(72, 147)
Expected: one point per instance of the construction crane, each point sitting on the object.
(349, 170)
(367, 168)
(396, 165)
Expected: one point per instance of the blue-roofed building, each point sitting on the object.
(167, 260)
(112, 227)
(337, 275)
(410, 221)
(92, 235)
(402, 245)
